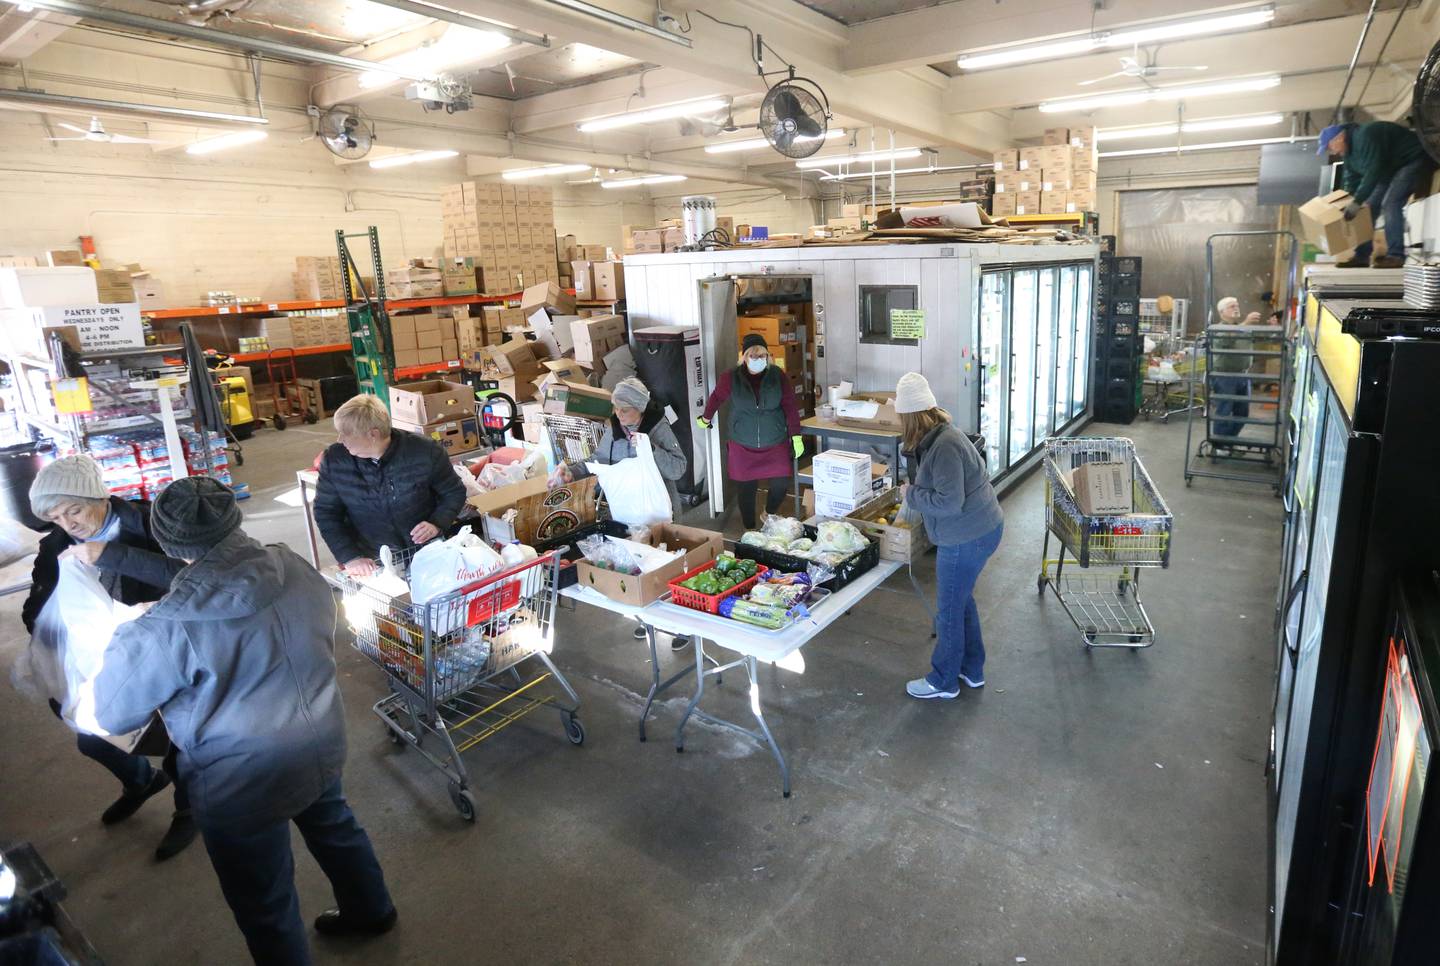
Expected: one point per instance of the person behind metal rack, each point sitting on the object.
(113, 536)
(239, 659)
(1228, 368)
(381, 486)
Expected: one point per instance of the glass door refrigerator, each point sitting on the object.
(1363, 506)
(1034, 339)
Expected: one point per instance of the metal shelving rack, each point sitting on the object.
(368, 317)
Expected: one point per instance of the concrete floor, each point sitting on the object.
(1103, 808)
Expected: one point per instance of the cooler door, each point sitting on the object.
(994, 289)
(717, 348)
(1021, 415)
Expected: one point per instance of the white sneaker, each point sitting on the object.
(972, 684)
(924, 690)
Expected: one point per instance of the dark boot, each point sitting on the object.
(1354, 262)
(679, 643)
(131, 799)
(332, 923)
(1388, 261)
(180, 834)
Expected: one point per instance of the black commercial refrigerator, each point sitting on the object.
(668, 360)
(1363, 509)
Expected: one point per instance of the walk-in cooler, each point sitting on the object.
(1002, 332)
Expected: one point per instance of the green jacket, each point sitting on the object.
(1377, 151)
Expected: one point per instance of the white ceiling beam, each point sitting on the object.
(935, 34)
(22, 34)
(565, 108)
(539, 152)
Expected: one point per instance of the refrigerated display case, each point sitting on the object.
(1362, 506)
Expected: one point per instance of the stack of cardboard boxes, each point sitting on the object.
(512, 364)
(317, 278)
(1056, 178)
(508, 232)
(842, 482)
(598, 281)
(302, 330)
(424, 339)
(419, 279)
(439, 409)
(114, 285)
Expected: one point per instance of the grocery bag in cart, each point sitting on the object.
(445, 566)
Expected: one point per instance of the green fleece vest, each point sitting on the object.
(756, 424)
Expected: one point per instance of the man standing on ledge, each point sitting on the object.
(1384, 164)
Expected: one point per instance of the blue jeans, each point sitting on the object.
(959, 648)
(1389, 199)
(1229, 386)
(257, 876)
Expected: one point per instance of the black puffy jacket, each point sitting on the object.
(362, 505)
(143, 570)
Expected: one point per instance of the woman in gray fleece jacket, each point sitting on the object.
(950, 489)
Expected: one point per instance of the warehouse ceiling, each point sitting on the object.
(888, 68)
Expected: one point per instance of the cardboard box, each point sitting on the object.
(547, 295)
(449, 349)
(1027, 202)
(596, 336)
(114, 286)
(648, 241)
(1003, 204)
(1084, 159)
(789, 359)
(429, 357)
(1052, 202)
(897, 540)
(64, 256)
(454, 435)
(700, 546)
(869, 410)
(1013, 181)
(1103, 488)
(431, 401)
(609, 281)
(556, 372)
(404, 358)
(1031, 158)
(595, 253)
(540, 512)
(583, 281)
(841, 474)
(512, 358)
(1082, 180)
(1007, 160)
(777, 330)
(100, 326)
(47, 287)
(1323, 219)
(428, 339)
(403, 337)
(1079, 201)
(1082, 137)
(577, 399)
(834, 507)
(1056, 135)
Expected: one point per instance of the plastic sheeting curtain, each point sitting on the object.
(1168, 227)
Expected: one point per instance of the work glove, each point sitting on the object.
(797, 443)
(1351, 210)
(702, 422)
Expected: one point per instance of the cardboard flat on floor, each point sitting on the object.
(430, 401)
(540, 513)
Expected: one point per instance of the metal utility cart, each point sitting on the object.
(1103, 600)
(454, 663)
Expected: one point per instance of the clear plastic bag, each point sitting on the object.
(786, 529)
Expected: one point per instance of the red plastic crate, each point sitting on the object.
(708, 603)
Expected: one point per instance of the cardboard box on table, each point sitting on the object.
(419, 403)
(1323, 219)
(700, 546)
(454, 435)
(897, 541)
(841, 474)
(869, 410)
(540, 512)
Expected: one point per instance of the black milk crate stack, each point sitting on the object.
(1119, 347)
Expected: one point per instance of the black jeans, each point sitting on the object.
(746, 490)
(133, 771)
(257, 875)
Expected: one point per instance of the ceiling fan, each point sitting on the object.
(97, 133)
(1133, 66)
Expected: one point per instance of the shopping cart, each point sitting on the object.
(573, 437)
(454, 663)
(1104, 600)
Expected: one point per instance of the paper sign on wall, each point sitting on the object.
(907, 323)
(72, 395)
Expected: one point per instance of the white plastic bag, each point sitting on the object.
(443, 566)
(634, 487)
(360, 608)
(67, 648)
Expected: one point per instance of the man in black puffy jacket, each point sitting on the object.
(382, 487)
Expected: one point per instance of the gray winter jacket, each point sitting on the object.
(616, 445)
(951, 489)
(239, 658)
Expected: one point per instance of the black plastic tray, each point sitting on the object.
(569, 552)
(849, 569)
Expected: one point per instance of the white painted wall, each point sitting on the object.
(594, 215)
(770, 207)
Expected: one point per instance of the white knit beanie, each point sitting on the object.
(74, 477)
(913, 395)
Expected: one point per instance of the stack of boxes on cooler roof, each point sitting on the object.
(1119, 348)
(500, 235)
(1056, 178)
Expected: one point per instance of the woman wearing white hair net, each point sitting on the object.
(635, 413)
(1226, 374)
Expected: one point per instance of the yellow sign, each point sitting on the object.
(907, 323)
(72, 395)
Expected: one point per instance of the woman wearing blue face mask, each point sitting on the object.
(763, 427)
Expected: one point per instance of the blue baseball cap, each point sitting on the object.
(1326, 136)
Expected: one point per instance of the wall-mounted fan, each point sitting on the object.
(97, 134)
(1134, 66)
(346, 133)
(794, 116)
(1425, 109)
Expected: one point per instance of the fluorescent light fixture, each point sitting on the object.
(1113, 39)
(665, 112)
(1175, 92)
(231, 140)
(456, 45)
(400, 160)
(1190, 127)
(754, 144)
(523, 174)
(871, 157)
(1208, 146)
(644, 180)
